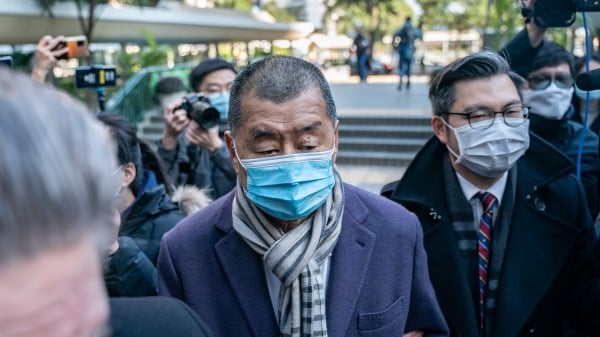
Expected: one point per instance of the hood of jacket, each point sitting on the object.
(190, 198)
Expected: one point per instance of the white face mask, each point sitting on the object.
(493, 151)
(551, 103)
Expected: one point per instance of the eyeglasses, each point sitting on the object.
(563, 81)
(483, 118)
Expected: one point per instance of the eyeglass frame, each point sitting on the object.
(524, 112)
(549, 80)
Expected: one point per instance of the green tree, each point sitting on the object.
(88, 11)
(497, 19)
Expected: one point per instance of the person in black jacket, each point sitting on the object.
(549, 89)
(508, 235)
(580, 96)
(146, 210)
(192, 154)
(549, 70)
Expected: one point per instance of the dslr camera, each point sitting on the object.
(199, 109)
(559, 13)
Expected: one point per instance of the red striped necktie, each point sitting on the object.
(488, 201)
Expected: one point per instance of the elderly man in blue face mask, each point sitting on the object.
(507, 231)
(293, 251)
(195, 155)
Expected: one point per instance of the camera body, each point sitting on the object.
(95, 76)
(199, 109)
(77, 46)
(561, 13)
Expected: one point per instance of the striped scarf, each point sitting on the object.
(295, 258)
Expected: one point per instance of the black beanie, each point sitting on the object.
(206, 67)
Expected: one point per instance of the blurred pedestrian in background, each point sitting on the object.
(362, 48)
(404, 41)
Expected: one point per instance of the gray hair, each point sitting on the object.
(480, 65)
(56, 165)
(277, 79)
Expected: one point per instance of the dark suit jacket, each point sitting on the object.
(547, 277)
(378, 280)
(154, 317)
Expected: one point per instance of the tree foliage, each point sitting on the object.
(88, 11)
(499, 18)
(378, 17)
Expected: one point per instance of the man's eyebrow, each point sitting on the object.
(474, 107)
(309, 127)
(261, 133)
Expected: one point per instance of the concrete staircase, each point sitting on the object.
(364, 140)
(382, 140)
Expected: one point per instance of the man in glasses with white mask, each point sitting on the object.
(507, 232)
(548, 91)
(293, 251)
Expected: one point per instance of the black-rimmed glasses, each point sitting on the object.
(483, 118)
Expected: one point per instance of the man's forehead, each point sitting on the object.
(490, 91)
(550, 70)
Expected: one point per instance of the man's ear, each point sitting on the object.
(129, 174)
(231, 148)
(439, 129)
(336, 141)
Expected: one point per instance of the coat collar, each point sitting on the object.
(535, 161)
(349, 265)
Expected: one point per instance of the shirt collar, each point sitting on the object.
(470, 190)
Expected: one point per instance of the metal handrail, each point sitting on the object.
(136, 95)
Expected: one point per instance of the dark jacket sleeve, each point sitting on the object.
(176, 160)
(223, 161)
(519, 53)
(129, 272)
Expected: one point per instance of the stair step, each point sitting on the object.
(385, 120)
(376, 158)
(382, 144)
(385, 131)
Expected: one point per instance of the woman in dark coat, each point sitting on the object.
(146, 208)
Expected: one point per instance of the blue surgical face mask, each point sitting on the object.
(289, 187)
(594, 94)
(220, 101)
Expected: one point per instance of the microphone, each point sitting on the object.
(588, 81)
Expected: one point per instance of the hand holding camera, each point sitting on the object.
(51, 49)
(203, 132)
(46, 55)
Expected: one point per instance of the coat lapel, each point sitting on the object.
(245, 273)
(448, 278)
(349, 265)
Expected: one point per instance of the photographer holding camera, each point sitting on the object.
(549, 72)
(192, 147)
